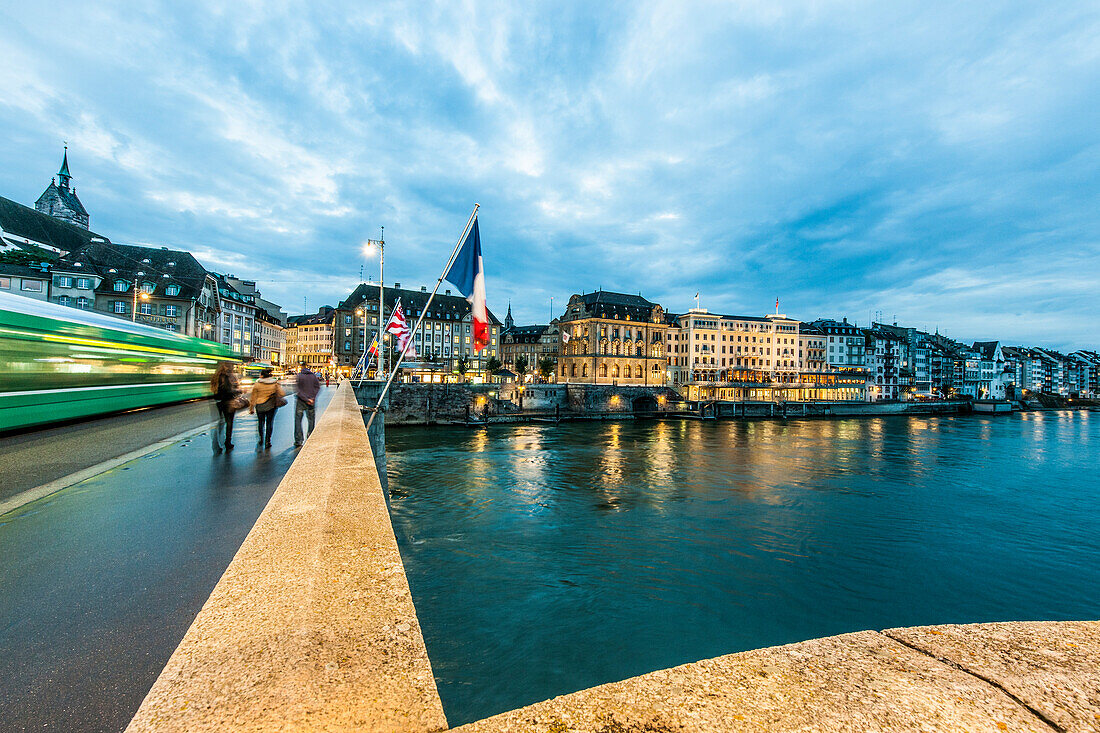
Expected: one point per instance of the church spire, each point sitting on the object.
(63, 174)
(508, 322)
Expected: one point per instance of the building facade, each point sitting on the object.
(444, 341)
(156, 286)
(533, 344)
(612, 338)
(309, 340)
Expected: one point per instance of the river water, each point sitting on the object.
(544, 559)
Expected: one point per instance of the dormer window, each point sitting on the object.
(172, 290)
(146, 261)
(121, 286)
(149, 287)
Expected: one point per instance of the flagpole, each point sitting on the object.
(423, 312)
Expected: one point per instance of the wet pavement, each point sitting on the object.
(100, 581)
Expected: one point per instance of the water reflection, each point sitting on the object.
(548, 558)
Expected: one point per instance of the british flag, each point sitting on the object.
(399, 327)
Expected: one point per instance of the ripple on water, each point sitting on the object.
(546, 559)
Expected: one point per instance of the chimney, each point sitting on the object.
(845, 320)
(448, 292)
(397, 286)
(423, 288)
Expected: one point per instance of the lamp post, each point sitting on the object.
(367, 246)
(144, 296)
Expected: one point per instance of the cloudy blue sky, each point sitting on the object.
(937, 162)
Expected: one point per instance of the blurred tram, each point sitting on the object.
(58, 363)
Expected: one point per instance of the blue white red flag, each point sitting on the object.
(467, 273)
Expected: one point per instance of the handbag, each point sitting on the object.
(238, 403)
(280, 402)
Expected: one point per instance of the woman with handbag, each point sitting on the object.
(226, 391)
(267, 396)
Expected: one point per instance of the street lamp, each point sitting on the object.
(368, 250)
(144, 296)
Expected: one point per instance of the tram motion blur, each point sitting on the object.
(59, 363)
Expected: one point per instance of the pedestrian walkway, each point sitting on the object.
(101, 580)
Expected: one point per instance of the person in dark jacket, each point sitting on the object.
(308, 385)
(225, 387)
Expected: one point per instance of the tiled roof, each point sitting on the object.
(123, 261)
(14, 270)
(23, 221)
(67, 196)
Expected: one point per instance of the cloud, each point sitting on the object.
(938, 161)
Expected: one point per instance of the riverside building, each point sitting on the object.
(444, 341)
(612, 338)
(534, 344)
(745, 358)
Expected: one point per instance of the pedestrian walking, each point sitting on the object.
(326, 380)
(307, 385)
(226, 389)
(267, 397)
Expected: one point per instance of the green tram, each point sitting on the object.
(58, 363)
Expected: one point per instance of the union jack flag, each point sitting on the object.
(399, 327)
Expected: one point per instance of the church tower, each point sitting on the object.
(508, 322)
(59, 199)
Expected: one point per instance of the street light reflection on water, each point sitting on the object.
(548, 558)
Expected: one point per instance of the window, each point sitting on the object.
(347, 346)
(172, 290)
(5, 283)
(172, 310)
(146, 309)
(84, 283)
(119, 306)
(64, 300)
(121, 286)
(33, 286)
(83, 303)
(64, 281)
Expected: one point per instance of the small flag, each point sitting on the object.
(399, 327)
(565, 337)
(777, 305)
(373, 350)
(467, 273)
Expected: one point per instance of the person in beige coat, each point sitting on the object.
(264, 401)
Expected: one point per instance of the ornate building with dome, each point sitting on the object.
(612, 338)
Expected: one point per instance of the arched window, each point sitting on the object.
(121, 286)
(603, 370)
(638, 371)
(574, 370)
(615, 371)
(149, 287)
(584, 370)
(172, 290)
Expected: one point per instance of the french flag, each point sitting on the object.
(467, 273)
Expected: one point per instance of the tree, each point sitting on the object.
(546, 367)
(520, 365)
(28, 256)
(463, 366)
(492, 365)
